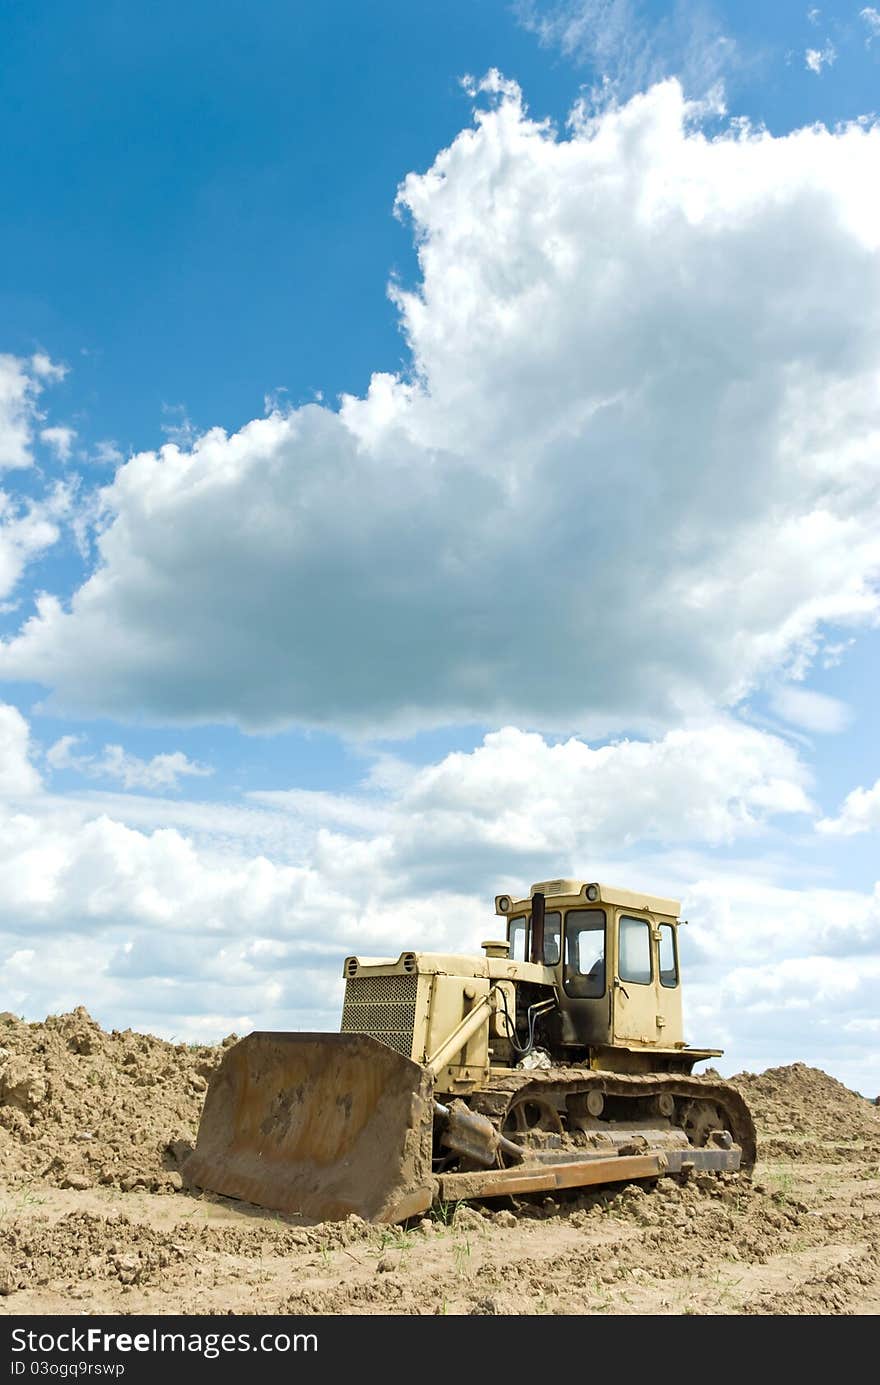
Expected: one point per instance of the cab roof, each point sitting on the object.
(576, 891)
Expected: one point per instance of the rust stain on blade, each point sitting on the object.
(322, 1124)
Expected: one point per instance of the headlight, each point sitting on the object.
(592, 893)
(502, 904)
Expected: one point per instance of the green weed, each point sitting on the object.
(462, 1252)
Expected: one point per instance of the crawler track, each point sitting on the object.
(556, 1085)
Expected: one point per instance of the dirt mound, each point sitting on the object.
(841, 1290)
(92, 1124)
(113, 1247)
(80, 1107)
(802, 1112)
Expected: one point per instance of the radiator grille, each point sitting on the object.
(383, 1007)
(381, 990)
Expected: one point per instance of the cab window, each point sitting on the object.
(518, 935)
(584, 971)
(634, 950)
(552, 934)
(668, 956)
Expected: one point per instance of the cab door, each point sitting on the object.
(668, 1021)
(636, 980)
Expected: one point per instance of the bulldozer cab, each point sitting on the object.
(615, 954)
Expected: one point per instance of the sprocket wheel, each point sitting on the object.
(526, 1120)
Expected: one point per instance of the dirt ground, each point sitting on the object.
(94, 1217)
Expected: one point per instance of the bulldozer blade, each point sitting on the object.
(322, 1124)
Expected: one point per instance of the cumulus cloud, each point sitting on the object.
(778, 974)
(633, 471)
(16, 413)
(832, 654)
(628, 46)
(812, 710)
(161, 772)
(517, 797)
(363, 859)
(871, 18)
(18, 776)
(817, 58)
(147, 926)
(859, 812)
(240, 915)
(21, 382)
(815, 1009)
(751, 920)
(60, 439)
(106, 453)
(27, 529)
(98, 871)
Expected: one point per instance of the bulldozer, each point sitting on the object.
(556, 1060)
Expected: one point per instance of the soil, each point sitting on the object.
(95, 1217)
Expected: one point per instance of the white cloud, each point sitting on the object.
(235, 918)
(244, 830)
(61, 755)
(817, 58)
(628, 47)
(871, 18)
(60, 439)
(781, 975)
(17, 773)
(27, 529)
(800, 983)
(148, 928)
(864, 1026)
(59, 872)
(832, 654)
(46, 369)
(813, 1009)
(181, 430)
(514, 803)
(811, 710)
(566, 801)
(859, 812)
(744, 920)
(106, 453)
(634, 471)
(330, 809)
(21, 381)
(161, 772)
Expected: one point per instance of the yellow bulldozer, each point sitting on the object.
(554, 1061)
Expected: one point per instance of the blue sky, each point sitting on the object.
(540, 534)
(198, 206)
